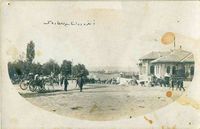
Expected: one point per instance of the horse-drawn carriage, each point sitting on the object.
(38, 83)
(33, 85)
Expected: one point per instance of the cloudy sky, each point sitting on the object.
(123, 31)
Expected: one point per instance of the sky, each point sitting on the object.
(122, 31)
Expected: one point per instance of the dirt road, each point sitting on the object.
(99, 102)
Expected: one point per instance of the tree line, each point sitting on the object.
(20, 68)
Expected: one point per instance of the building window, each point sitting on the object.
(173, 70)
(192, 70)
(152, 69)
(168, 69)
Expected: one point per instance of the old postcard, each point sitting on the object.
(100, 65)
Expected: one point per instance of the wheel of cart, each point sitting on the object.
(31, 85)
(32, 88)
(23, 84)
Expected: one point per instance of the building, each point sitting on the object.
(174, 62)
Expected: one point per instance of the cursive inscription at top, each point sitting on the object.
(71, 23)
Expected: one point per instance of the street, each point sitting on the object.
(102, 102)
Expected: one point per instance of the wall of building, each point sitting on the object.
(144, 69)
(161, 69)
(188, 67)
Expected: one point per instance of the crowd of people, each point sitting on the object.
(171, 81)
(168, 80)
(79, 82)
(38, 80)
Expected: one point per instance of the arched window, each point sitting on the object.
(168, 69)
(192, 70)
(174, 70)
(152, 69)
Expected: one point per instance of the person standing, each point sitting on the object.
(62, 80)
(180, 84)
(80, 82)
(173, 81)
(180, 79)
(65, 83)
(167, 79)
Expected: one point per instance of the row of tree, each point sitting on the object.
(24, 67)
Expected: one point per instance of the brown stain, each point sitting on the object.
(168, 127)
(147, 119)
(188, 101)
(169, 94)
(168, 38)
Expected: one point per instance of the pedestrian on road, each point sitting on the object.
(80, 82)
(167, 79)
(173, 81)
(180, 84)
(65, 83)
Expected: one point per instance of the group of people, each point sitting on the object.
(168, 81)
(79, 82)
(40, 80)
(102, 81)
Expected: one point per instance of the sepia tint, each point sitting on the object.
(99, 62)
(103, 92)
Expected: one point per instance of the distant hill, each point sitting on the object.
(112, 69)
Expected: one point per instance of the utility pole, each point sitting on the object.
(174, 42)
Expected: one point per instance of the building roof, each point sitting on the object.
(177, 55)
(189, 58)
(154, 55)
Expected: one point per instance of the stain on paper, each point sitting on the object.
(169, 93)
(168, 38)
(147, 119)
(188, 101)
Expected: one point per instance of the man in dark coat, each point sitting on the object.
(180, 84)
(180, 78)
(80, 83)
(65, 83)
